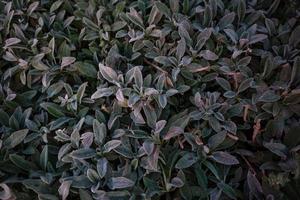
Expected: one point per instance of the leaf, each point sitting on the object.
(214, 124)
(150, 116)
(164, 60)
(119, 183)
(232, 35)
(20, 162)
(53, 109)
(208, 15)
(102, 92)
(55, 5)
(148, 146)
(64, 189)
(110, 145)
(135, 18)
(215, 140)
(177, 182)
(154, 16)
(294, 39)
(37, 63)
(54, 89)
(186, 161)
(11, 41)
(224, 158)
(295, 75)
(4, 118)
(81, 91)
(226, 20)
(160, 125)
(269, 96)
(162, 100)
(227, 189)
(180, 50)
(174, 5)
(253, 184)
(66, 61)
(138, 77)
(244, 61)
(245, 85)
(183, 33)
(6, 194)
(257, 38)
(102, 164)
(118, 25)
(223, 83)
(173, 132)
(108, 73)
(163, 9)
(277, 148)
(273, 7)
(230, 126)
(99, 131)
(241, 10)
(15, 138)
(209, 55)
(83, 153)
(44, 158)
(86, 69)
(291, 138)
(87, 139)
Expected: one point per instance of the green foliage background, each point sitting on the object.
(144, 99)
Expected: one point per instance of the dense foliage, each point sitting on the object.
(144, 99)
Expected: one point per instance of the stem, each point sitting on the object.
(155, 66)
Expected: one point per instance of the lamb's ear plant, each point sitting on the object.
(148, 99)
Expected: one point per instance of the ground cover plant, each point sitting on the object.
(144, 99)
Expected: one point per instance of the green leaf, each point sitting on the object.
(83, 153)
(64, 189)
(226, 20)
(4, 118)
(241, 10)
(163, 9)
(110, 145)
(173, 132)
(108, 73)
(20, 162)
(102, 92)
(224, 158)
(37, 63)
(208, 55)
(277, 148)
(269, 96)
(119, 183)
(15, 138)
(294, 39)
(56, 5)
(215, 140)
(44, 158)
(135, 18)
(164, 60)
(180, 50)
(223, 83)
(257, 38)
(245, 85)
(102, 167)
(99, 130)
(86, 69)
(55, 88)
(186, 161)
(118, 25)
(53, 109)
(81, 91)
